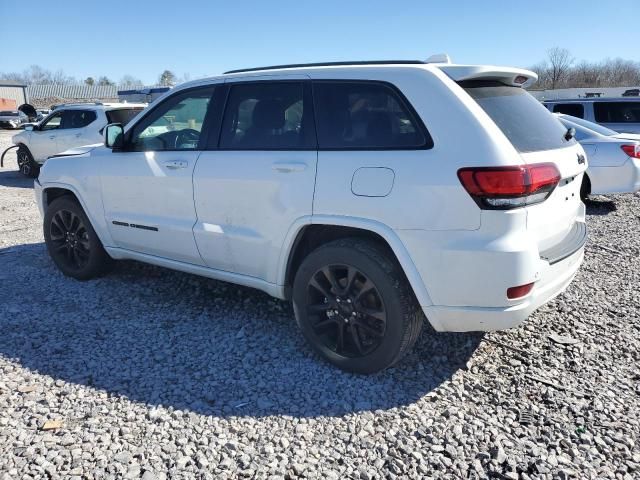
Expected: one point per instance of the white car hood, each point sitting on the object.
(77, 150)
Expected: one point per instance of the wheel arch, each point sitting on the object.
(53, 190)
(308, 235)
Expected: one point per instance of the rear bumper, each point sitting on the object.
(554, 280)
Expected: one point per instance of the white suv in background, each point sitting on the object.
(67, 127)
(374, 195)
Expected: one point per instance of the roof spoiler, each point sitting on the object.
(517, 77)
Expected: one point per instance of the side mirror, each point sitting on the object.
(29, 127)
(114, 136)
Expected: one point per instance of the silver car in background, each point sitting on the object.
(12, 119)
(614, 158)
(621, 114)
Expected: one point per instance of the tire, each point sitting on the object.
(72, 242)
(370, 301)
(26, 164)
(585, 188)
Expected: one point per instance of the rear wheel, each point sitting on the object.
(26, 164)
(71, 241)
(355, 306)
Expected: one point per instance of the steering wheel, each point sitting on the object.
(188, 135)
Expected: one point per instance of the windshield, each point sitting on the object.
(528, 125)
(8, 113)
(607, 132)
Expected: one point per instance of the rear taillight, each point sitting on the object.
(503, 188)
(632, 150)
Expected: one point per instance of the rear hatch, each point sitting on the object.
(538, 137)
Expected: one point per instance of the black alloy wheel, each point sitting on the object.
(69, 239)
(346, 310)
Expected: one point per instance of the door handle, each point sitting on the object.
(175, 164)
(288, 167)
(52, 137)
(78, 135)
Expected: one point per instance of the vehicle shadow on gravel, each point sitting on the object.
(14, 179)
(600, 206)
(193, 344)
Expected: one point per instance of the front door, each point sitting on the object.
(252, 185)
(147, 188)
(44, 141)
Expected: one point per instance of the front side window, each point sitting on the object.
(528, 125)
(266, 116)
(617, 112)
(175, 124)
(364, 115)
(573, 109)
(53, 122)
(77, 118)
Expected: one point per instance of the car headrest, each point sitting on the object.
(268, 114)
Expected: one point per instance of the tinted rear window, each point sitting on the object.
(528, 125)
(122, 116)
(617, 112)
(364, 115)
(573, 109)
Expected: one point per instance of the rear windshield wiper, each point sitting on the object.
(570, 133)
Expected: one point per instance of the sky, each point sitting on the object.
(203, 38)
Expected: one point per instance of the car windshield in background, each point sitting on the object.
(123, 115)
(607, 132)
(8, 113)
(528, 125)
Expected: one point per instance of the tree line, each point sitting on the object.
(561, 70)
(36, 75)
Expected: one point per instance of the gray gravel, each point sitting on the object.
(148, 373)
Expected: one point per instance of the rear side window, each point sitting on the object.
(573, 109)
(78, 118)
(122, 116)
(617, 112)
(528, 125)
(267, 116)
(364, 115)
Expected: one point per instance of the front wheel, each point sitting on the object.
(355, 306)
(26, 164)
(71, 241)
(585, 188)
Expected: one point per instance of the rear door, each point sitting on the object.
(539, 137)
(258, 177)
(44, 141)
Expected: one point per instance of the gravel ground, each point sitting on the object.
(148, 373)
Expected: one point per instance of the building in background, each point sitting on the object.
(589, 92)
(12, 94)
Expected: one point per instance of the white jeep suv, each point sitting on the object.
(374, 195)
(68, 126)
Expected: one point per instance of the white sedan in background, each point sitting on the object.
(614, 158)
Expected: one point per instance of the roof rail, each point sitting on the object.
(329, 64)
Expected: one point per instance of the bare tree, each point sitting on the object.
(105, 81)
(130, 81)
(560, 61)
(167, 78)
